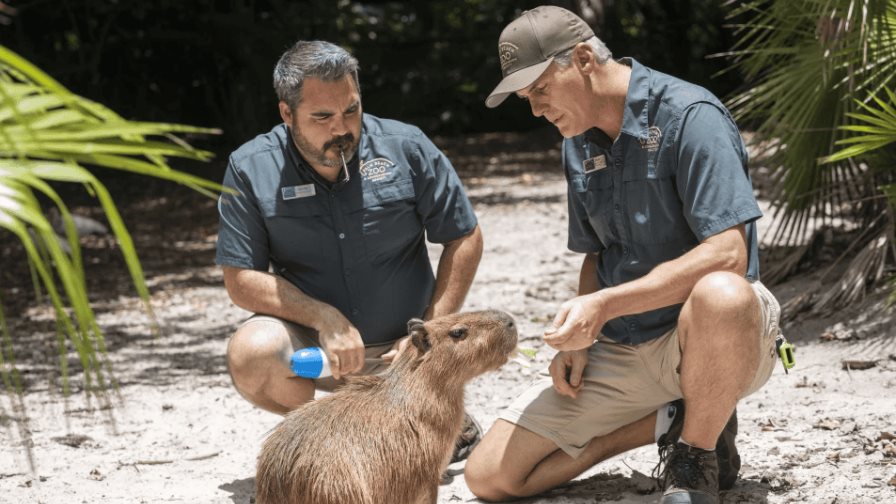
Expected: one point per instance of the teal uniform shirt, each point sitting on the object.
(676, 175)
(358, 245)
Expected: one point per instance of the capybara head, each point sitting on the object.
(470, 343)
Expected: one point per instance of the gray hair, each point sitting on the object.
(311, 58)
(601, 53)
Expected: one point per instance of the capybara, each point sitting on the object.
(388, 438)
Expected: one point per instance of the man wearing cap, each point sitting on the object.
(669, 303)
(325, 239)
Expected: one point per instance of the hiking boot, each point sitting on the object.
(689, 475)
(470, 434)
(726, 450)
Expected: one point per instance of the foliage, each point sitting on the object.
(428, 63)
(48, 136)
(805, 60)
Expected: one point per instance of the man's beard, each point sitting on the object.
(348, 143)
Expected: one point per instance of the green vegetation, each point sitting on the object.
(819, 71)
(49, 136)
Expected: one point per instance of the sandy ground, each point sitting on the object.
(178, 432)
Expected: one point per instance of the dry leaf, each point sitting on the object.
(858, 364)
(827, 424)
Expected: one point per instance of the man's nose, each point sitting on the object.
(338, 126)
(537, 107)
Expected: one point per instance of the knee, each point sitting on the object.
(483, 480)
(722, 293)
(252, 351)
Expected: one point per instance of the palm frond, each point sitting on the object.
(50, 135)
(804, 61)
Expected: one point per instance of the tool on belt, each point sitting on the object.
(785, 352)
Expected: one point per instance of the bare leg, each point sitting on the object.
(258, 360)
(718, 333)
(512, 461)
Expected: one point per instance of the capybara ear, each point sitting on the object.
(420, 338)
(414, 323)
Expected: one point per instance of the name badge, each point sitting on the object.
(299, 191)
(594, 164)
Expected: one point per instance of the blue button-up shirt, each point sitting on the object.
(357, 245)
(676, 175)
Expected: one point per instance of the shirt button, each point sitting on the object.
(355, 311)
(332, 195)
(341, 236)
(616, 207)
(625, 250)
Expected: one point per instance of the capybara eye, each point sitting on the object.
(458, 333)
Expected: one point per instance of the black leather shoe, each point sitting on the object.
(726, 450)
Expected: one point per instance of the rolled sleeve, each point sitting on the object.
(242, 235)
(442, 202)
(711, 177)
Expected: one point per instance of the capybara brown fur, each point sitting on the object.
(388, 438)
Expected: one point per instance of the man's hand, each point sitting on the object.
(566, 370)
(578, 322)
(396, 350)
(342, 343)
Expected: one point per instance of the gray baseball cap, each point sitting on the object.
(529, 43)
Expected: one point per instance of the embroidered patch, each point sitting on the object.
(507, 54)
(299, 191)
(376, 169)
(652, 142)
(594, 164)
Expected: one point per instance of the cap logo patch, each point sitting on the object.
(376, 169)
(507, 54)
(652, 142)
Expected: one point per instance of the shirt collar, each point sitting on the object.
(634, 116)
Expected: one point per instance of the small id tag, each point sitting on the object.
(594, 164)
(299, 191)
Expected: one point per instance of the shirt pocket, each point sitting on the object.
(653, 208)
(595, 191)
(389, 221)
(299, 233)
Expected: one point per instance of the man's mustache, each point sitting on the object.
(342, 142)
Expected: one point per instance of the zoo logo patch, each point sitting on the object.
(507, 54)
(376, 169)
(652, 142)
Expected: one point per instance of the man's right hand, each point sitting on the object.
(342, 343)
(567, 369)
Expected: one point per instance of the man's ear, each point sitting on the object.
(583, 57)
(285, 113)
(419, 335)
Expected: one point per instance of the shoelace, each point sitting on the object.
(679, 466)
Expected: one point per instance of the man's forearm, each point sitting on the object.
(671, 282)
(454, 276)
(262, 292)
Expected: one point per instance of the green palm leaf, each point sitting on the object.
(805, 61)
(48, 134)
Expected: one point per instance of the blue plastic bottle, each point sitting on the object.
(310, 363)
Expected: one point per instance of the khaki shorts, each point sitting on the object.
(624, 383)
(304, 337)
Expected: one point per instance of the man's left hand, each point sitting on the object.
(577, 323)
